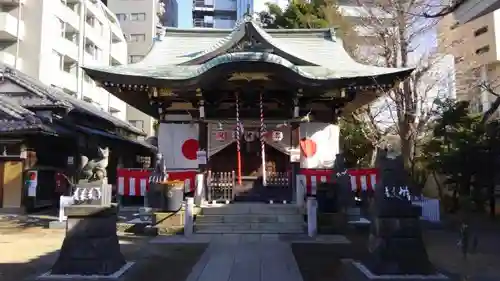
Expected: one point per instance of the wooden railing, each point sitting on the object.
(220, 186)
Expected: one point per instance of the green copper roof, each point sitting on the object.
(185, 72)
(183, 54)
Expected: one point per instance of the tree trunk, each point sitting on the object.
(439, 186)
(373, 158)
(407, 152)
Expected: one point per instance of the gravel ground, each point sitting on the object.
(323, 262)
(29, 251)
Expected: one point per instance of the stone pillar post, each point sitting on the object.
(203, 148)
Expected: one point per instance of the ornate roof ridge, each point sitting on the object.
(243, 28)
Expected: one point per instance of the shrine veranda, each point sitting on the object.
(247, 110)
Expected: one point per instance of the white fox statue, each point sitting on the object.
(95, 169)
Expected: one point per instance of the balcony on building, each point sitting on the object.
(93, 53)
(225, 5)
(11, 28)
(118, 53)
(8, 58)
(68, 41)
(203, 5)
(206, 22)
(473, 9)
(68, 12)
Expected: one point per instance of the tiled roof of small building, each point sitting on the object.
(45, 95)
(15, 118)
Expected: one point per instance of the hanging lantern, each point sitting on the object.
(277, 136)
(219, 126)
(249, 136)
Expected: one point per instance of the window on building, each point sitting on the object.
(481, 30)
(137, 38)
(137, 123)
(87, 78)
(91, 20)
(138, 16)
(483, 50)
(72, 36)
(121, 17)
(459, 59)
(69, 92)
(70, 66)
(58, 59)
(134, 58)
(93, 50)
(457, 42)
(61, 26)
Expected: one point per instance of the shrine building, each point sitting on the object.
(249, 108)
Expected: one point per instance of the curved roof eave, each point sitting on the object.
(186, 73)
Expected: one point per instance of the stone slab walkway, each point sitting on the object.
(246, 258)
(237, 238)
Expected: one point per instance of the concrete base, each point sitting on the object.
(139, 221)
(12, 211)
(57, 225)
(118, 274)
(368, 275)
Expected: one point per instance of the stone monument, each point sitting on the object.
(342, 179)
(155, 195)
(91, 246)
(396, 245)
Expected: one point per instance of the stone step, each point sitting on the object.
(249, 208)
(249, 228)
(250, 218)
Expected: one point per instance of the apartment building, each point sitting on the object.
(473, 9)
(139, 20)
(219, 13)
(476, 56)
(51, 39)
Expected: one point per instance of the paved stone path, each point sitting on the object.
(246, 258)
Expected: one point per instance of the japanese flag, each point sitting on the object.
(178, 143)
(319, 145)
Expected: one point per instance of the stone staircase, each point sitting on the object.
(249, 218)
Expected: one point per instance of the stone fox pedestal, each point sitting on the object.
(91, 246)
(396, 243)
(397, 249)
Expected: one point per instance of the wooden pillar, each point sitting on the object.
(203, 153)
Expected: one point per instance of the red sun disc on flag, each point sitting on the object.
(189, 149)
(308, 147)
